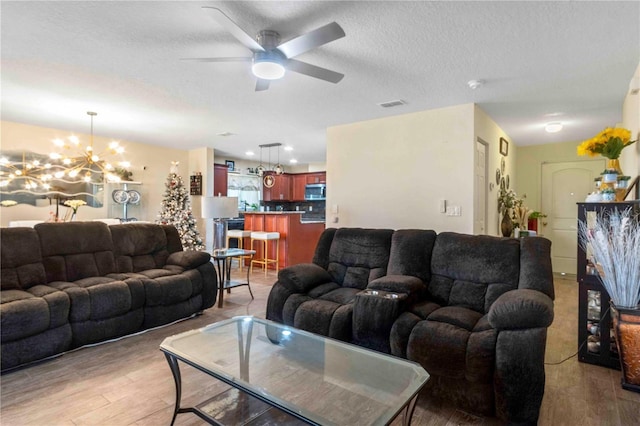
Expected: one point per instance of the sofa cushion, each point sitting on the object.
(358, 256)
(27, 313)
(342, 295)
(454, 342)
(97, 298)
(75, 250)
(21, 265)
(411, 251)
(473, 270)
(139, 246)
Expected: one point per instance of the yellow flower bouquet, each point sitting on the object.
(609, 143)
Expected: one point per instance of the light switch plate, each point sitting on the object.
(443, 206)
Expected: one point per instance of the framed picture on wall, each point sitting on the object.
(504, 147)
(231, 165)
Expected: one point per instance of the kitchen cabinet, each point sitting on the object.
(317, 177)
(281, 189)
(596, 339)
(298, 184)
(220, 179)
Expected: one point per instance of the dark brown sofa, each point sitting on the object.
(65, 285)
(472, 310)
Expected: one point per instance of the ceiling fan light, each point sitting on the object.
(268, 69)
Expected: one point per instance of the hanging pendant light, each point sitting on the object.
(260, 169)
(279, 169)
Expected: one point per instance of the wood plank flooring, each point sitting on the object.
(128, 382)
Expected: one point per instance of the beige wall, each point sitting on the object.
(391, 172)
(489, 132)
(150, 165)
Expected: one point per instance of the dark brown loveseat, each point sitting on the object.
(65, 285)
(472, 310)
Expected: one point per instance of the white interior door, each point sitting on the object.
(564, 185)
(480, 189)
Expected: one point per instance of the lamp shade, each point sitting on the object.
(219, 207)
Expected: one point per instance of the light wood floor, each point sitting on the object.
(128, 382)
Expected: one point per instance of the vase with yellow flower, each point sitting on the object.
(609, 143)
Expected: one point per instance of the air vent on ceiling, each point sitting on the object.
(392, 103)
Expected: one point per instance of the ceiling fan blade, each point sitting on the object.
(240, 59)
(314, 71)
(311, 40)
(233, 28)
(262, 84)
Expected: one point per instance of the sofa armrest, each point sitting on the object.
(188, 259)
(522, 308)
(303, 277)
(405, 284)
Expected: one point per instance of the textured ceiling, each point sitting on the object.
(541, 61)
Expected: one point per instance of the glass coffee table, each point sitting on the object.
(283, 375)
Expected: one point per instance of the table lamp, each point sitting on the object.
(219, 209)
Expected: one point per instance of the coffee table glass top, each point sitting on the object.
(323, 380)
(231, 252)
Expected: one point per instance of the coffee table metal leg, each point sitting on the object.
(175, 370)
(248, 284)
(408, 411)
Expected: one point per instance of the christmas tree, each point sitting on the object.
(176, 211)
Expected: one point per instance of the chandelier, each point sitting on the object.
(85, 162)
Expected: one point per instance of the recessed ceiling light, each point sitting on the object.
(249, 153)
(553, 127)
(288, 148)
(293, 161)
(226, 134)
(474, 84)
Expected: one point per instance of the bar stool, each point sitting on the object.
(239, 235)
(265, 238)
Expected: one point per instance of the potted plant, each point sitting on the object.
(608, 194)
(613, 244)
(609, 175)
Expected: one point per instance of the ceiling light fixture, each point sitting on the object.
(474, 84)
(249, 153)
(278, 168)
(87, 162)
(553, 127)
(288, 148)
(268, 65)
(293, 161)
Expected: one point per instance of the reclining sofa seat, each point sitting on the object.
(35, 316)
(319, 297)
(71, 284)
(473, 311)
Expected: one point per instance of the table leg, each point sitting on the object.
(408, 412)
(221, 278)
(249, 285)
(175, 371)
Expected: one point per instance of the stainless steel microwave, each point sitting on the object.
(315, 191)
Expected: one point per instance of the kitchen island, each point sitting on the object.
(298, 239)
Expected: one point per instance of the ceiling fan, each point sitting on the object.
(270, 59)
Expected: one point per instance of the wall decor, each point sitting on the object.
(502, 165)
(498, 176)
(231, 165)
(504, 147)
(507, 182)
